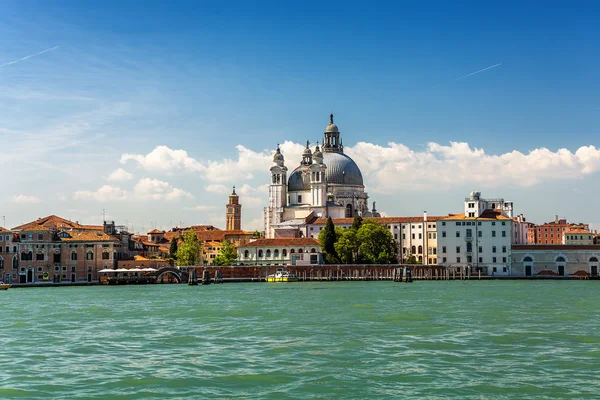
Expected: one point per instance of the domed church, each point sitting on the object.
(327, 183)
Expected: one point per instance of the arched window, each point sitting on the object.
(73, 256)
(292, 251)
(260, 253)
(89, 255)
(300, 251)
(420, 258)
(276, 253)
(284, 252)
(15, 262)
(313, 250)
(420, 249)
(268, 253)
(560, 259)
(246, 253)
(413, 250)
(527, 259)
(1, 263)
(593, 259)
(349, 211)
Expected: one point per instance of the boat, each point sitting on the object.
(4, 286)
(282, 276)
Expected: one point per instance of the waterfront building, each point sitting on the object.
(56, 249)
(578, 235)
(520, 230)
(555, 260)
(479, 238)
(288, 251)
(327, 183)
(415, 236)
(9, 255)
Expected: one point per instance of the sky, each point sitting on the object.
(149, 114)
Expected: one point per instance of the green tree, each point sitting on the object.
(356, 224)
(256, 234)
(377, 246)
(347, 245)
(189, 251)
(173, 248)
(327, 239)
(227, 255)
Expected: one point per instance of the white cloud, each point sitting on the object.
(200, 207)
(119, 175)
(162, 158)
(145, 189)
(24, 199)
(217, 188)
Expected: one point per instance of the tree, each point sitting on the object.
(347, 245)
(356, 224)
(173, 248)
(189, 251)
(377, 246)
(327, 239)
(257, 234)
(227, 255)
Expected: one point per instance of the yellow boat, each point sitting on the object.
(282, 276)
(4, 286)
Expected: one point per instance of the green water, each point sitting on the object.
(465, 340)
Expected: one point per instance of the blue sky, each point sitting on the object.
(207, 77)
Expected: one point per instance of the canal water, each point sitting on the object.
(464, 340)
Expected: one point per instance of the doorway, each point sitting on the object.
(89, 277)
(528, 270)
(72, 277)
(29, 275)
(561, 270)
(594, 270)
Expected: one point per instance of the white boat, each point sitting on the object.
(282, 276)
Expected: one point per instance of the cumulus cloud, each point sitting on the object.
(201, 207)
(119, 175)
(217, 188)
(165, 159)
(162, 158)
(24, 199)
(145, 189)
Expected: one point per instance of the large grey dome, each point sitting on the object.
(341, 170)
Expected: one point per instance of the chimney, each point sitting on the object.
(424, 216)
(556, 219)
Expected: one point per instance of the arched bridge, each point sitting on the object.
(170, 274)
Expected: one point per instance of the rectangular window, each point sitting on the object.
(420, 236)
(504, 249)
(479, 233)
(469, 259)
(443, 259)
(443, 233)
(493, 233)
(503, 233)
(480, 249)
(494, 269)
(504, 269)
(493, 223)
(413, 236)
(457, 233)
(404, 236)
(479, 223)
(469, 233)
(457, 259)
(493, 249)
(435, 250)
(443, 249)
(494, 259)
(458, 224)
(443, 223)
(299, 198)
(471, 205)
(503, 223)
(480, 259)
(458, 249)
(503, 259)
(40, 236)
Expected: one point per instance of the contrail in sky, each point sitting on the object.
(476, 72)
(29, 56)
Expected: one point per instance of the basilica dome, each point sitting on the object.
(341, 170)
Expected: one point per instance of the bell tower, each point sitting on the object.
(233, 213)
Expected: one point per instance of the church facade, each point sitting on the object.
(326, 183)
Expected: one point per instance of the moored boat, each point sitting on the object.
(4, 286)
(282, 276)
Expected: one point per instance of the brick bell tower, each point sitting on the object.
(233, 213)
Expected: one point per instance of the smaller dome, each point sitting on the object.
(331, 128)
(317, 154)
(278, 156)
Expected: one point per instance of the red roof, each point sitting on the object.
(381, 220)
(283, 242)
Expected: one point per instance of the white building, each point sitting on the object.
(294, 251)
(479, 238)
(555, 260)
(327, 183)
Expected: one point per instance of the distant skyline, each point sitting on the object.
(153, 113)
